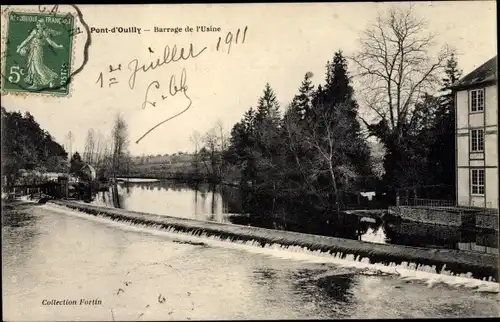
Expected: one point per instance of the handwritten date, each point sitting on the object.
(232, 38)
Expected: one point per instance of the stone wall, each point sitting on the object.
(449, 217)
(429, 215)
(488, 221)
(376, 253)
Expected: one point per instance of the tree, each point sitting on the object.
(441, 158)
(76, 164)
(302, 102)
(120, 145)
(210, 156)
(89, 154)
(241, 145)
(102, 157)
(395, 71)
(266, 138)
(196, 140)
(223, 143)
(296, 120)
(255, 139)
(268, 106)
(214, 153)
(328, 165)
(26, 145)
(339, 93)
(452, 75)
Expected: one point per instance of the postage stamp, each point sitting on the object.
(38, 53)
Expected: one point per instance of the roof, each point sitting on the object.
(486, 73)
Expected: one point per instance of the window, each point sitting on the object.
(477, 181)
(477, 100)
(477, 140)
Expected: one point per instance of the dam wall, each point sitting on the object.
(479, 264)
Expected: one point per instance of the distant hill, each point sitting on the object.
(178, 165)
(162, 159)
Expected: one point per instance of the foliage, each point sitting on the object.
(441, 158)
(76, 164)
(27, 146)
(396, 71)
(303, 154)
(120, 161)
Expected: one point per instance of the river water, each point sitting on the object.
(134, 273)
(226, 204)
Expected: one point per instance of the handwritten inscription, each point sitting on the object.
(230, 38)
(173, 89)
(169, 55)
(158, 91)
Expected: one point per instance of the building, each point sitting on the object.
(476, 111)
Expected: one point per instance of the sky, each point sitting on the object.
(282, 43)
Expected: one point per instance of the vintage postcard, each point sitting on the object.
(249, 161)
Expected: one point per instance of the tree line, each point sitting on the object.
(317, 148)
(26, 146)
(107, 154)
(407, 90)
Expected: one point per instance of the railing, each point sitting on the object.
(445, 204)
(420, 202)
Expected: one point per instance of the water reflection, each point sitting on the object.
(439, 236)
(232, 205)
(21, 229)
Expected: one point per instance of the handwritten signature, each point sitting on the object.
(173, 89)
(169, 55)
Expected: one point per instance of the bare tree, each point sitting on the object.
(119, 144)
(214, 141)
(395, 69)
(196, 140)
(99, 149)
(211, 143)
(223, 146)
(327, 139)
(293, 127)
(223, 138)
(89, 152)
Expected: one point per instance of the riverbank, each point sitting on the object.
(480, 265)
(188, 178)
(478, 218)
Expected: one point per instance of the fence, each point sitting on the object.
(421, 202)
(445, 204)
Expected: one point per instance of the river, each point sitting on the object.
(135, 273)
(226, 204)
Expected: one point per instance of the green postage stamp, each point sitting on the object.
(38, 53)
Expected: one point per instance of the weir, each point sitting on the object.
(481, 265)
